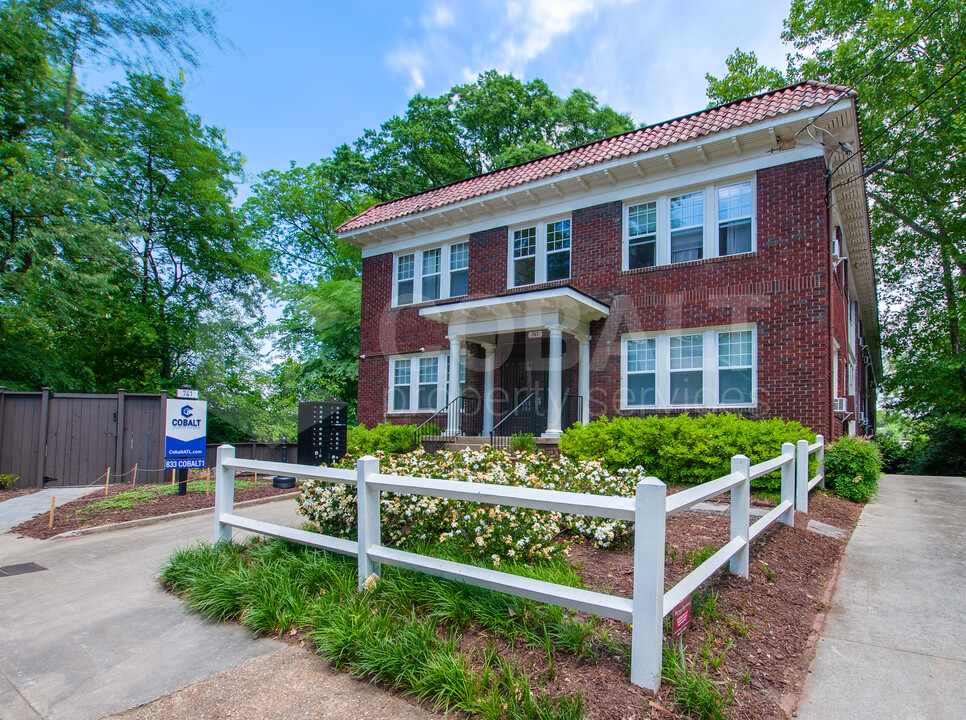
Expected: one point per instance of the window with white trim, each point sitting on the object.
(687, 227)
(431, 274)
(734, 219)
(420, 383)
(715, 221)
(539, 253)
(714, 367)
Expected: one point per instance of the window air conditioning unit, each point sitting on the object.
(837, 244)
(841, 404)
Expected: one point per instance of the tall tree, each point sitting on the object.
(908, 62)
(171, 184)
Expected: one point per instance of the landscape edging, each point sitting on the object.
(164, 518)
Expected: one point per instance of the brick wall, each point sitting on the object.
(783, 288)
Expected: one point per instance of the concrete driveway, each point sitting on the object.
(95, 634)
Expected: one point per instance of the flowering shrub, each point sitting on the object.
(493, 533)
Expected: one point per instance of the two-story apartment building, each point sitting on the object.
(720, 261)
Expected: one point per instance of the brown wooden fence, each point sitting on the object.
(71, 439)
(272, 452)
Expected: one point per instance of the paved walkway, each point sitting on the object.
(894, 643)
(95, 634)
(23, 508)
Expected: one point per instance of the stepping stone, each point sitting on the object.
(827, 530)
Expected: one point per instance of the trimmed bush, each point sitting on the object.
(683, 450)
(385, 437)
(8, 481)
(523, 442)
(852, 467)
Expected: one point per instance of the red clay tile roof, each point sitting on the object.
(742, 112)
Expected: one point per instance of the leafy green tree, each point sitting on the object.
(171, 183)
(907, 62)
(474, 128)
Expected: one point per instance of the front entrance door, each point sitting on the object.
(525, 372)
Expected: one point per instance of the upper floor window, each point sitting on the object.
(433, 273)
(540, 253)
(697, 368)
(712, 222)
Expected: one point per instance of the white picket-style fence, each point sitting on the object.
(648, 510)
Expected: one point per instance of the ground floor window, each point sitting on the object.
(420, 383)
(707, 367)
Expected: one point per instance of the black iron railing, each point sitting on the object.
(524, 419)
(444, 424)
(521, 419)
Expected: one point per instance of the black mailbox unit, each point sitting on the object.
(322, 432)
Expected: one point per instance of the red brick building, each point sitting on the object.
(717, 262)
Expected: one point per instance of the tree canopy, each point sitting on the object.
(907, 61)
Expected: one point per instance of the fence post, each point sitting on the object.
(119, 434)
(647, 639)
(801, 478)
(820, 456)
(740, 501)
(224, 493)
(369, 521)
(42, 450)
(788, 484)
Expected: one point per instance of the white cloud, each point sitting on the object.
(439, 17)
(412, 62)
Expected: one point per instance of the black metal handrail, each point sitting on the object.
(419, 435)
(515, 421)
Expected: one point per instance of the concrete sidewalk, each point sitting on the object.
(894, 642)
(21, 509)
(95, 634)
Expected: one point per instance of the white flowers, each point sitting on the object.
(492, 532)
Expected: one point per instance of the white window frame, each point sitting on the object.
(445, 273)
(710, 249)
(442, 381)
(540, 261)
(662, 384)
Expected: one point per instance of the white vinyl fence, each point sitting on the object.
(648, 510)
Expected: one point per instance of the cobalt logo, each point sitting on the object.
(186, 411)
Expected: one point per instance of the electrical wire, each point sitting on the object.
(877, 65)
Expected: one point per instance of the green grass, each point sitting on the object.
(404, 632)
(149, 494)
(694, 692)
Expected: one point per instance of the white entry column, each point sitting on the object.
(583, 378)
(555, 383)
(453, 414)
(489, 370)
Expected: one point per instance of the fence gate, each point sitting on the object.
(71, 438)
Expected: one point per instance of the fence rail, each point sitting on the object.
(648, 509)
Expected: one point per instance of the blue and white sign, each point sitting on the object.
(185, 430)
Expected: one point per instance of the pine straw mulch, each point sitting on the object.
(75, 515)
(770, 619)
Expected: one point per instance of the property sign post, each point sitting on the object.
(185, 430)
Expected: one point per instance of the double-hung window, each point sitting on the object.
(540, 253)
(734, 219)
(687, 369)
(433, 273)
(687, 227)
(420, 383)
(642, 235)
(734, 367)
(713, 221)
(703, 368)
(641, 371)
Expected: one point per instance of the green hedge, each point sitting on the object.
(683, 450)
(386, 437)
(852, 467)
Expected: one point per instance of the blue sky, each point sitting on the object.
(305, 77)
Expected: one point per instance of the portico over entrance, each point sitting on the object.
(529, 329)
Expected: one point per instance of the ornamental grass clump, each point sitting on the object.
(493, 533)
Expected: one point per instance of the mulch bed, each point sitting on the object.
(67, 517)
